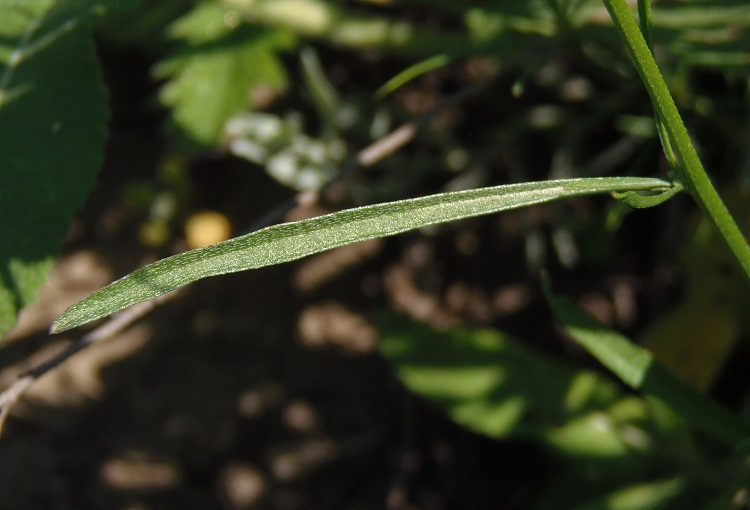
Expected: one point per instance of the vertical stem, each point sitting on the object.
(697, 181)
(644, 18)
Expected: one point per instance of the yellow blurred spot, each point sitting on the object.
(153, 233)
(697, 336)
(693, 341)
(208, 227)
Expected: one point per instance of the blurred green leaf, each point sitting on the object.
(709, 34)
(141, 27)
(322, 92)
(493, 384)
(411, 73)
(212, 71)
(619, 444)
(487, 381)
(291, 241)
(53, 114)
(737, 483)
(334, 22)
(637, 368)
(652, 495)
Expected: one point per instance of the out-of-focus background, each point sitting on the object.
(330, 383)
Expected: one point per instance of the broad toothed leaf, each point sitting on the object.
(53, 113)
(213, 69)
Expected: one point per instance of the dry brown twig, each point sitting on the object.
(115, 325)
(364, 158)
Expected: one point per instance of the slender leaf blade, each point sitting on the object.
(637, 368)
(291, 241)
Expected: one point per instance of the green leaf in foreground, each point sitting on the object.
(637, 368)
(53, 113)
(291, 241)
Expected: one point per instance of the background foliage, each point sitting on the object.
(296, 87)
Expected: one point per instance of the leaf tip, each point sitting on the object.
(70, 318)
(59, 326)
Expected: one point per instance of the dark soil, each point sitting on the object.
(265, 390)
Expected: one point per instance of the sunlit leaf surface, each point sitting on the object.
(291, 241)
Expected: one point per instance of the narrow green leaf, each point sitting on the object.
(411, 73)
(291, 241)
(53, 113)
(324, 95)
(637, 368)
(705, 34)
(642, 201)
(644, 19)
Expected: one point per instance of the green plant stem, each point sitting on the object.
(644, 18)
(697, 181)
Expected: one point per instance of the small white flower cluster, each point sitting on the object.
(287, 153)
